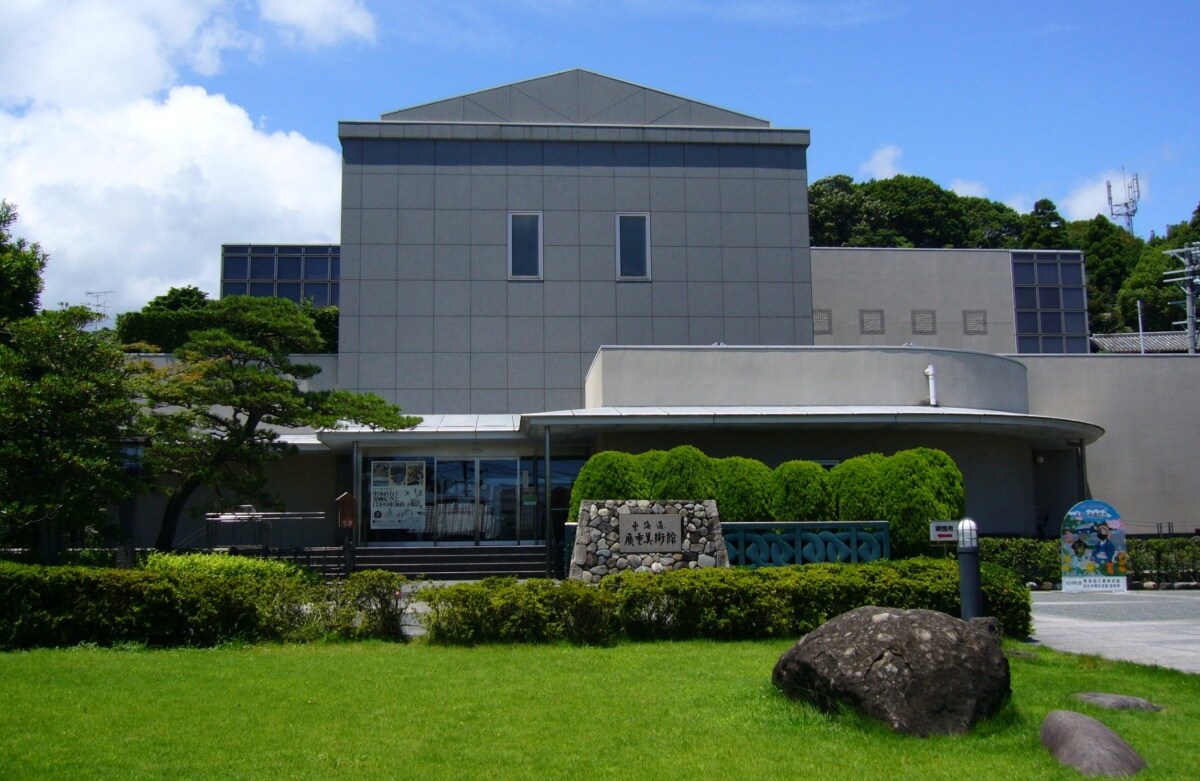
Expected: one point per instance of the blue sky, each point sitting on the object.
(137, 135)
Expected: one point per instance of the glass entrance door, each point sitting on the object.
(455, 516)
(478, 501)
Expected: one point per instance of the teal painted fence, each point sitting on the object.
(783, 544)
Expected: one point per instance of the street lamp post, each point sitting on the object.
(970, 591)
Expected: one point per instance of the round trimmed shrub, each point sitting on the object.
(800, 491)
(683, 473)
(648, 461)
(743, 489)
(857, 485)
(919, 486)
(609, 474)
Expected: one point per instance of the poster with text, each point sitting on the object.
(1093, 548)
(398, 495)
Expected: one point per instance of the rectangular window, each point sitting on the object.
(633, 246)
(525, 246)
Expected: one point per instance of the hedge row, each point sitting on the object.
(718, 604)
(907, 489)
(1164, 560)
(199, 600)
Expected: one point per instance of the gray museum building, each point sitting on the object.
(577, 263)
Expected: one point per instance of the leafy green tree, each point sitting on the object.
(1145, 284)
(1111, 254)
(66, 407)
(165, 323)
(21, 266)
(1044, 228)
(835, 208)
(990, 224)
(221, 406)
(918, 210)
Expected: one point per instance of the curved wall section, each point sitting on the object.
(803, 376)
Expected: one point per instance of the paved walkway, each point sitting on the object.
(1147, 627)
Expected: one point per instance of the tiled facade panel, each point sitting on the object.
(432, 321)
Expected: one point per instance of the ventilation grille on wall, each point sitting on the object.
(924, 322)
(870, 321)
(975, 322)
(822, 322)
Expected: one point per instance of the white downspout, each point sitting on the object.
(929, 372)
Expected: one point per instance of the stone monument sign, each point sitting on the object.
(646, 536)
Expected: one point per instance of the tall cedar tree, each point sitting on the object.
(66, 406)
(220, 407)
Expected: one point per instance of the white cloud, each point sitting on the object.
(969, 188)
(139, 197)
(132, 180)
(320, 22)
(883, 163)
(1021, 202)
(98, 52)
(1090, 197)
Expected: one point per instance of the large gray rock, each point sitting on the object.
(921, 672)
(1085, 744)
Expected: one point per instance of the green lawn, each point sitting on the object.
(655, 711)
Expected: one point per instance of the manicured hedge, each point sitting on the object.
(1160, 560)
(800, 490)
(743, 489)
(907, 489)
(197, 600)
(719, 604)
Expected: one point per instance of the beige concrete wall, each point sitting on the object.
(898, 281)
(767, 376)
(1145, 464)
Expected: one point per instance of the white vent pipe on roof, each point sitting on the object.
(929, 373)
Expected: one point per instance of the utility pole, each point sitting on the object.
(1186, 279)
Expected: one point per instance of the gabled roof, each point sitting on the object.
(576, 97)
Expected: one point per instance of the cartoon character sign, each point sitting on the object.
(1093, 548)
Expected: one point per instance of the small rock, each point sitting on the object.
(707, 561)
(1085, 744)
(1031, 585)
(1150, 585)
(1116, 701)
(1047, 585)
(656, 568)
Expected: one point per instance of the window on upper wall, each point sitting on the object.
(633, 246)
(525, 245)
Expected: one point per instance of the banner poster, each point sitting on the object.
(398, 495)
(1093, 548)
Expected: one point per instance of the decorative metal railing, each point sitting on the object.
(782, 544)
